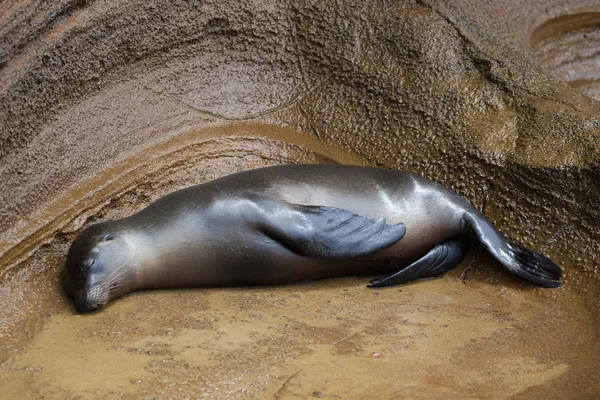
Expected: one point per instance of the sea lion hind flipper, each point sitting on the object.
(519, 260)
(535, 267)
(442, 258)
(328, 232)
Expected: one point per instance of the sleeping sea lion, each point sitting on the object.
(288, 224)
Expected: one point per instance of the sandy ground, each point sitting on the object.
(488, 336)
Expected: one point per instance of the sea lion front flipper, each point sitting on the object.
(442, 258)
(328, 232)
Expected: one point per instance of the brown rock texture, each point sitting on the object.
(106, 106)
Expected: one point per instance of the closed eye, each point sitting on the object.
(87, 264)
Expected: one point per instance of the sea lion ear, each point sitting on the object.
(327, 232)
(108, 238)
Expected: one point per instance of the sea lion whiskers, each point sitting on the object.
(111, 278)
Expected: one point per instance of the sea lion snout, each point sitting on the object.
(87, 304)
(94, 297)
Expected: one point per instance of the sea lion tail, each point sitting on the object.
(518, 259)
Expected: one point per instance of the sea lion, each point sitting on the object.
(287, 224)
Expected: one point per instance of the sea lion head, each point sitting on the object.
(99, 266)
